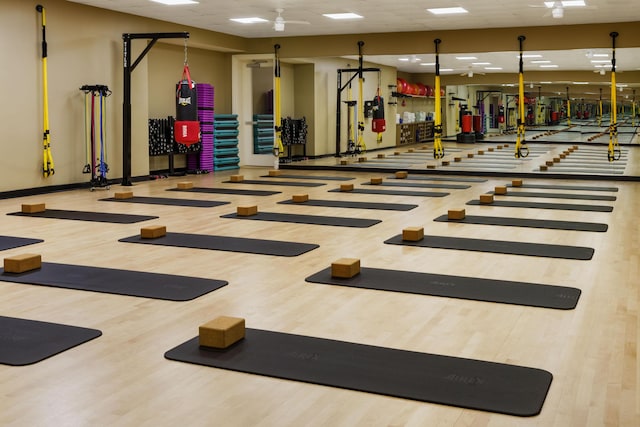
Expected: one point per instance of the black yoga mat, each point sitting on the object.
(567, 187)
(392, 192)
(325, 178)
(115, 218)
(224, 243)
(470, 288)
(536, 205)
(525, 222)
(414, 177)
(235, 191)
(286, 183)
(10, 242)
(353, 205)
(498, 247)
(307, 219)
(558, 195)
(400, 183)
(191, 203)
(23, 342)
(113, 281)
(467, 383)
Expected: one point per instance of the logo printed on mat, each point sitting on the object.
(464, 379)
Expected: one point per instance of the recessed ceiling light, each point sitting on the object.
(549, 66)
(545, 83)
(541, 61)
(493, 68)
(175, 2)
(601, 66)
(600, 55)
(252, 20)
(428, 63)
(580, 83)
(447, 10)
(466, 57)
(599, 61)
(342, 15)
(481, 63)
(573, 3)
(446, 69)
(531, 55)
(403, 59)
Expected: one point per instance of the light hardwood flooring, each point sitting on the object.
(122, 378)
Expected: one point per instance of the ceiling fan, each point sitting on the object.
(278, 23)
(556, 8)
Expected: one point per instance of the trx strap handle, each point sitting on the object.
(438, 150)
(613, 151)
(361, 145)
(278, 148)
(47, 165)
(521, 149)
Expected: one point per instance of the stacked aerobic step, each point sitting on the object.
(225, 139)
(263, 133)
(203, 161)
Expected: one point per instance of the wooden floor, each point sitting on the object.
(123, 379)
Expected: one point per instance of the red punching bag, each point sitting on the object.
(378, 124)
(187, 126)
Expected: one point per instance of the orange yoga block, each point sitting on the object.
(345, 268)
(153, 231)
(413, 234)
(221, 332)
(33, 207)
(22, 263)
(247, 210)
(456, 214)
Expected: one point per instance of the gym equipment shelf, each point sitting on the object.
(263, 133)
(225, 141)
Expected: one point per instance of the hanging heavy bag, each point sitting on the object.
(378, 123)
(187, 126)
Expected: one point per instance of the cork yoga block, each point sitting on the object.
(275, 172)
(346, 187)
(247, 210)
(362, 159)
(344, 162)
(486, 198)
(431, 166)
(123, 195)
(22, 263)
(153, 231)
(549, 163)
(516, 183)
(237, 178)
(543, 167)
(413, 234)
(402, 174)
(376, 181)
(457, 159)
(480, 152)
(500, 190)
(221, 332)
(456, 214)
(381, 156)
(445, 163)
(33, 207)
(185, 185)
(345, 268)
(300, 198)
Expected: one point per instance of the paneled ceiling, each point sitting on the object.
(405, 15)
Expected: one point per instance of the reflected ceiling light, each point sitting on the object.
(447, 10)
(252, 20)
(175, 2)
(342, 15)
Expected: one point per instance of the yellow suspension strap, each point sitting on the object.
(600, 109)
(47, 166)
(362, 147)
(521, 149)
(278, 148)
(438, 150)
(613, 152)
(633, 109)
(568, 108)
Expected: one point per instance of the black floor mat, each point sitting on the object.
(525, 222)
(307, 219)
(536, 205)
(10, 242)
(234, 191)
(285, 183)
(402, 183)
(190, 203)
(567, 187)
(454, 381)
(393, 192)
(414, 177)
(23, 342)
(498, 247)
(225, 243)
(470, 288)
(115, 218)
(113, 281)
(558, 196)
(324, 178)
(352, 205)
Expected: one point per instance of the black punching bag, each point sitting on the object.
(187, 126)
